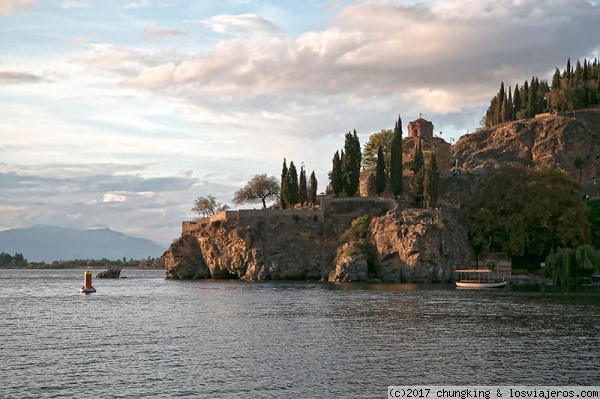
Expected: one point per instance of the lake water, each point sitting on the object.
(147, 337)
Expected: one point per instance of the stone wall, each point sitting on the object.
(329, 206)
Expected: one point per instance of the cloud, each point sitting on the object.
(162, 31)
(17, 77)
(136, 4)
(70, 4)
(444, 55)
(241, 24)
(13, 7)
(82, 196)
(112, 197)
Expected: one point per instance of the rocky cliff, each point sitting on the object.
(401, 245)
(570, 142)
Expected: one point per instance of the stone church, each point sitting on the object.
(420, 128)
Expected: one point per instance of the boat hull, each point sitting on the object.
(480, 285)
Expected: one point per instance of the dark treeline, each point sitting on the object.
(19, 262)
(575, 88)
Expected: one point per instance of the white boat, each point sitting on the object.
(479, 278)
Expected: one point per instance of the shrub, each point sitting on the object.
(360, 226)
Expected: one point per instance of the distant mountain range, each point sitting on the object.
(49, 243)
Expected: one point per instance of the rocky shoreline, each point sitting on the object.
(400, 245)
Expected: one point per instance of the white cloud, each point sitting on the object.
(70, 4)
(14, 7)
(136, 4)
(371, 49)
(241, 24)
(112, 197)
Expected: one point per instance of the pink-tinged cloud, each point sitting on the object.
(13, 7)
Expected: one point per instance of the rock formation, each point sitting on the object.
(405, 245)
(571, 143)
(113, 272)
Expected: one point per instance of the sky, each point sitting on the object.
(120, 113)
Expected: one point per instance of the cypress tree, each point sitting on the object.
(312, 188)
(418, 176)
(509, 106)
(556, 79)
(431, 182)
(293, 190)
(335, 176)
(284, 186)
(532, 104)
(351, 164)
(380, 175)
(500, 105)
(396, 160)
(303, 190)
(516, 101)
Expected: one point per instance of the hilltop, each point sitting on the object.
(570, 142)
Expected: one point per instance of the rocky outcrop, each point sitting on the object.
(184, 260)
(113, 272)
(402, 245)
(414, 245)
(571, 143)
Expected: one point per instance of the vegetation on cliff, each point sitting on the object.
(527, 213)
(574, 88)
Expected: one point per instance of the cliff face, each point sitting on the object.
(403, 246)
(571, 143)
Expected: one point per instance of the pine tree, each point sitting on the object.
(380, 174)
(312, 188)
(335, 176)
(303, 189)
(284, 186)
(396, 160)
(293, 190)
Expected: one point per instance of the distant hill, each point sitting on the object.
(49, 243)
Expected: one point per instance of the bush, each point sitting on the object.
(360, 226)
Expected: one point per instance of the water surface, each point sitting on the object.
(147, 337)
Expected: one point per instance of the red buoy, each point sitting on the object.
(87, 283)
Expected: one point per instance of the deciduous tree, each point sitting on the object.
(260, 189)
(207, 206)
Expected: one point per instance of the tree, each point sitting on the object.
(261, 188)
(369, 155)
(283, 190)
(527, 213)
(351, 162)
(418, 175)
(303, 189)
(396, 160)
(380, 174)
(292, 195)
(335, 176)
(431, 182)
(207, 206)
(312, 188)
